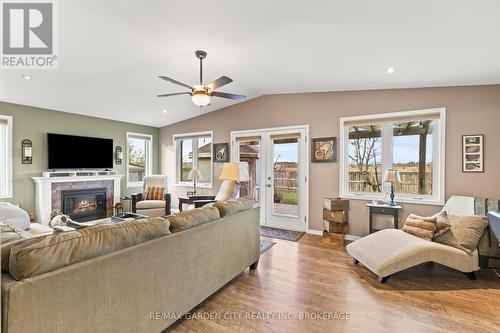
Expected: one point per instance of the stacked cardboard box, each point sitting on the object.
(335, 217)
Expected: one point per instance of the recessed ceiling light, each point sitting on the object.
(390, 70)
(26, 77)
(164, 111)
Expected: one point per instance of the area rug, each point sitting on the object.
(265, 245)
(290, 235)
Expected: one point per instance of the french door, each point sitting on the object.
(278, 167)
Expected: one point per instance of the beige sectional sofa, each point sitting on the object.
(142, 288)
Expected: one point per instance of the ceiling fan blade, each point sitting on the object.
(174, 94)
(175, 81)
(230, 96)
(222, 81)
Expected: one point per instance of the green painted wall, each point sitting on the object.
(34, 124)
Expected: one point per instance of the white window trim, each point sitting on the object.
(438, 157)
(149, 156)
(177, 153)
(8, 162)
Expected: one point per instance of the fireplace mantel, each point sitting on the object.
(44, 191)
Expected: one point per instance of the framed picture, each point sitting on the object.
(221, 152)
(324, 150)
(473, 153)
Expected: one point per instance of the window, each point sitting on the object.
(139, 158)
(5, 156)
(410, 142)
(193, 151)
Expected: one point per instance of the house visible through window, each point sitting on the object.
(193, 152)
(409, 142)
(5, 156)
(139, 159)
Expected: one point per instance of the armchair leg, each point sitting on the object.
(383, 279)
(168, 201)
(254, 265)
(470, 276)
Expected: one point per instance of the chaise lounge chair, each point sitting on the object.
(389, 251)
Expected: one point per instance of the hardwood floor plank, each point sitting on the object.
(312, 277)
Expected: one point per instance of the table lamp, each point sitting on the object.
(392, 176)
(232, 174)
(195, 175)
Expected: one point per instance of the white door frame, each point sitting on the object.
(234, 135)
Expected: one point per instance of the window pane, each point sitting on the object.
(204, 159)
(136, 159)
(412, 156)
(186, 159)
(364, 159)
(285, 168)
(250, 153)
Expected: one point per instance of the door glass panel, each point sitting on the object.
(249, 150)
(285, 175)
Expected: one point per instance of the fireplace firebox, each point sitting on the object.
(84, 204)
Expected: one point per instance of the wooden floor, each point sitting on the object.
(318, 278)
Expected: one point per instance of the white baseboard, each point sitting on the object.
(320, 233)
(315, 232)
(351, 237)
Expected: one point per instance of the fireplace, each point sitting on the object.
(84, 204)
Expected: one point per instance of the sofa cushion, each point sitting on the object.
(233, 206)
(44, 254)
(423, 227)
(191, 218)
(465, 232)
(148, 204)
(8, 238)
(14, 216)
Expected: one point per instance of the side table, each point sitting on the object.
(189, 200)
(383, 209)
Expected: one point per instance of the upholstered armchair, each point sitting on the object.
(231, 174)
(154, 199)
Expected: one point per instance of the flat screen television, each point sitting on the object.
(79, 152)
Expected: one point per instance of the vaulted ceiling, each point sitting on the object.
(111, 52)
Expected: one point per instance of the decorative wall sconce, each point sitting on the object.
(27, 151)
(118, 155)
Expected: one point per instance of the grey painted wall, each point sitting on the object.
(34, 124)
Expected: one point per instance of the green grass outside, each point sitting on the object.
(288, 198)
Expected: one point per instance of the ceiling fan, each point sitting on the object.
(201, 95)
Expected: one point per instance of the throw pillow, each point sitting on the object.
(442, 224)
(423, 227)
(13, 216)
(154, 193)
(233, 206)
(464, 233)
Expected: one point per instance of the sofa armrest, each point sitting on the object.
(135, 199)
(168, 202)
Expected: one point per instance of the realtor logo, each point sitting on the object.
(28, 34)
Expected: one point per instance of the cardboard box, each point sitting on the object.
(334, 204)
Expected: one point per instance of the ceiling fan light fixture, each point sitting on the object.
(201, 98)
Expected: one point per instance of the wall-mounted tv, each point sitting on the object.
(79, 152)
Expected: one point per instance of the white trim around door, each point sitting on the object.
(265, 134)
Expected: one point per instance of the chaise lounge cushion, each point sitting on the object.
(389, 251)
(44, 254)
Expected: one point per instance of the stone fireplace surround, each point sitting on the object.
(48, 192)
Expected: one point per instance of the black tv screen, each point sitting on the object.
(79, 152)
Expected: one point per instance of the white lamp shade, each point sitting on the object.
(201, 99)
(392, 176)
(194, 174)
(235, 171)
